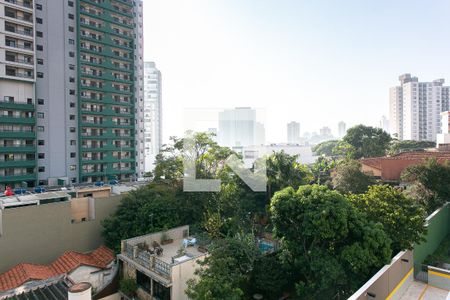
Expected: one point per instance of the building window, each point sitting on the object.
(73, 167)
(143, 281)
(39, 34)
(70, 3)
(72, 104)
(41, 142)
(41, 169)
(72, 129)
(38, 6)
(71, 29)
(40, 115)
(72, 54)
(71, 79)
(40, 128)
(71, 92)
(73, 155)
(40, 101)
(40, 75)
(39, 20)
(41, 155)
(73, 142)
(40, 61)
(72, 67)
(39, 48)
(71, 16)
(72, 117)
(71, 42)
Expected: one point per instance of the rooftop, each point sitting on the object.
(52, 289)
(176, 245)
(66, 263)
(32, 199)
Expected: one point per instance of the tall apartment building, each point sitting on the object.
(240, 127)
(17, 96)
(85, 100)
(293, 132)
(342, 129)
(152, 114)
(415, 108)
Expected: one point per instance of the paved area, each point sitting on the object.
(422, 291)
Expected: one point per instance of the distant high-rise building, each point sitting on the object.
(415, 108)
(342, 129)
(384, 124)
(239, 127)
(325, 131)
(70, 91)
(152, 114)
(293, 132)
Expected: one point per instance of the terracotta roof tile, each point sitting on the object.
(65, 264)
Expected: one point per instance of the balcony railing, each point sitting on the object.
(18, 31)
(18, 46)
(148, 261)
(19, 60)
(26, 4)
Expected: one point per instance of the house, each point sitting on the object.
(161, 263)
(390, 168)
(98, 268)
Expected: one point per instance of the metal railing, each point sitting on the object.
(149, 261)
(26, 4)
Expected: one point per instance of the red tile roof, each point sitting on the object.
(66, 263)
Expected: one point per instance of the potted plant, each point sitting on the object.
(165, 239)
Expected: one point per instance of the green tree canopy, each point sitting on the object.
(403, 219)
(398, 146)
(367, 141)
(225, 273)
(329, 242)
(347, 177)
(325, 148)
(283, 170)
(430, 183)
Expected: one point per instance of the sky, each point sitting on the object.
(316, 62)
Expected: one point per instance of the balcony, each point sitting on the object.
(13, 29)
(17, 178)
(22, 3)
(17, 134)
(17, 120)
(10, 13)
(17, 149)
(17, 163)
(15, 72)
(15, 59)
(16, 105)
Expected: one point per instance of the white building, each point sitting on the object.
(293, 132)
(443, 138)
(384, 124)
(342, 129)
(415, 108)
(152, 114)
(240, 127)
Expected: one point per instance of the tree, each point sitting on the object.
(367, 141)
(149, 209)
(398, 146)
(321, 170)
(270, 276)
(283, 170)
(403, 219)
(430, 183)
(325, 148)
(333, 247)
(348, 178)
(225, 272)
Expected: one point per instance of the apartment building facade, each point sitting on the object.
(84, 96)
(415, 108)
(152, 114)
(17, 99)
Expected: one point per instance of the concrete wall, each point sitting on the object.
(390, 282)
(439, 278)
(39, 234)
(438, 226)
(181, 273)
